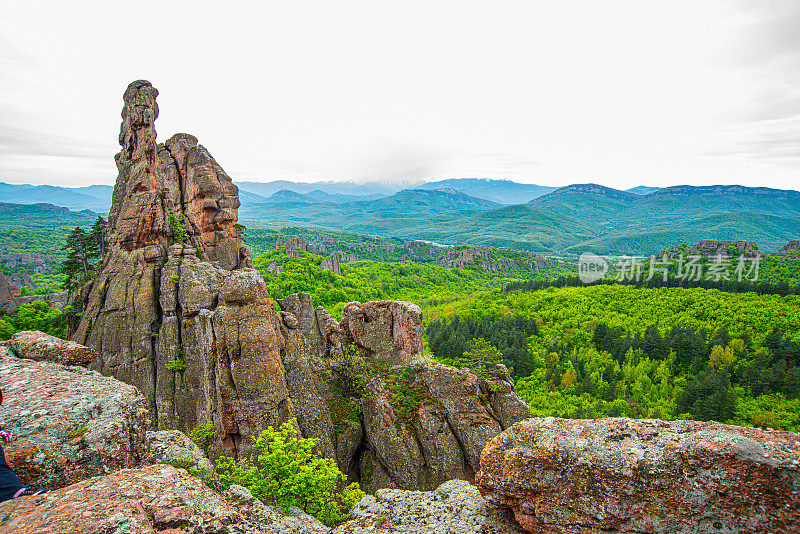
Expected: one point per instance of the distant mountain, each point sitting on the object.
(44, 215)
(642, 190)
(500, 191)
(408, 203)
(430, 201)
(368, 189)
(96, 198)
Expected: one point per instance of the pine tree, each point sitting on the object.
(84, 250)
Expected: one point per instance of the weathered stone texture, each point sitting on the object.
(69, 423)
(155, 499)
(624, 475)
(455, 507)
(34, 345)
(177, 311)
(387, 330)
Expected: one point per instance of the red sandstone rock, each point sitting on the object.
(624, 475)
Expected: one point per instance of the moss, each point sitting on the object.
(190, 323)
(380, 520)
(342, 410)
(77, 432)
(367, 471)
(180, 463)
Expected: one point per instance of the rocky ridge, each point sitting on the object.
(178, 311)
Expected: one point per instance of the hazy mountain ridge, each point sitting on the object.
(564, 220)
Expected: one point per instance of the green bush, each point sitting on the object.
(177, 226)
(290, 474)
(203, 436)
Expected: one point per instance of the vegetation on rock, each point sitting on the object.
(290, 474)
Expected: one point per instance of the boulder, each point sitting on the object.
(34, 345)
(455, 507)
(69, 423)
(155, 499)
(175, 447)
(625, 475)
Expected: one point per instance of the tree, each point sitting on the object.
(290, 474)
(84, 249)
(481, 355)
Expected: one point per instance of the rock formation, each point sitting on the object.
(293, 245)
(69, 423)
(33, 345)
(789, 248)
(332, 263)
(624, 475)
(178, 311)
(455, 507)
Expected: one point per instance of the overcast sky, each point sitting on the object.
(618, 93)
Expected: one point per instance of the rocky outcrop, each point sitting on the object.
(154, 499)
(294, 245)
(8, 299)
(790, 248)
(177, 311)
(387, 330)
(331, 263)
(624, 475)
(33, 345)
(710, 248)
(455, 507)
(175, 448)
(69, 423)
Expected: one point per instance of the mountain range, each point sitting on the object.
(571, 219)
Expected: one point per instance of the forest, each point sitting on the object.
(620, 350)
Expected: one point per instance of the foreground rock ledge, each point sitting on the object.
(69, 423)
(156, 499)
(624, 475)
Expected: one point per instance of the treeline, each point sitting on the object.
(730, 286)
(509, 335)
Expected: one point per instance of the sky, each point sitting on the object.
(621, 93)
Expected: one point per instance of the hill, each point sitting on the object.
(95, 198)
(500, 191)
(44, 215)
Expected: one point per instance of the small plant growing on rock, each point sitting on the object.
(290, 474)
(177, 225)
(176, 365)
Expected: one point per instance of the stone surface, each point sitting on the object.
(34, 345)
(332, 264)
(387, 330)
(624, 475)
(455, 507)
(168, 446)
(155, 499)
(69, 423)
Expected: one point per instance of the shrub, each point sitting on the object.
(203, 436)
(290, 474)
(177, 226)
